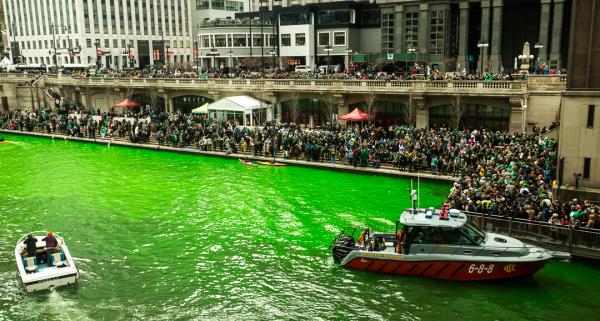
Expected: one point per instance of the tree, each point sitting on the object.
(331, 106)
(410, 112)
(294, 106)
(371, 108)
(457, 108)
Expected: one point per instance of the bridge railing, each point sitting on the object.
(495, 87)
(561, 235)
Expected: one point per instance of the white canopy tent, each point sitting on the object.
(201, 110)
(246, 110)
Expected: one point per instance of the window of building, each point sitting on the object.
(411, 29)
(370, 17)
(218, 4)
(106, 43)
(300, 39)
(123, 43)
(272, 40)
(333, 17)
(205, 41)
(286, 40)
(590, 116)
(387, 32)
(115, 43)
(220, 41)
(257, 40)
(234, 6)
(339, 38)
(202, 4)
(436, 34)
(88, 43)
(323, 38)
(289, 19)
(586, 167)
(239, 40)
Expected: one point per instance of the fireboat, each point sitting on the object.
(440, 244)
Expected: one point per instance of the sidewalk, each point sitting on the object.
(388, 171)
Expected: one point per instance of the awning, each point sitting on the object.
(127, 103)
(355, 115)
(238, 103)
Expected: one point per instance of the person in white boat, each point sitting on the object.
(51, 245)
(31, 241)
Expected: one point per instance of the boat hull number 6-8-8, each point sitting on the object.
(481, 268)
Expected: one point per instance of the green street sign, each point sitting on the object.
(471, 58)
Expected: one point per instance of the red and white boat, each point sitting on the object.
(440, 244)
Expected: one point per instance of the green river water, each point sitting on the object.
(166, 236)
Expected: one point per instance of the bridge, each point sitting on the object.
(578, 241)
(517, 103)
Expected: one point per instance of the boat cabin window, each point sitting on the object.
(440, 235)
(473, 232)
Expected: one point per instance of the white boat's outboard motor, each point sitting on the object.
(342, 246)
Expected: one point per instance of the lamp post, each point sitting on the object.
(273, 53)
(53, 27)
(525, 59)
(98, 62)
(538, 46)
(327, 49)
(409, 51)
(167, 56)
(348, 53)
(213, 53)
(481, 44)
(196, 54)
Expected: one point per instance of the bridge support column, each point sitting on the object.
(518, 113)
(422, 112)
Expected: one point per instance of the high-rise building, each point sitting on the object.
(579, 148)
(218, 9)
(107, 33)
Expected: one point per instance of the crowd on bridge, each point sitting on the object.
(241, 72)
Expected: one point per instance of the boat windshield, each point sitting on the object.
(473, 232)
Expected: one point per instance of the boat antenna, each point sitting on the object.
(418, 190)
(413, 197)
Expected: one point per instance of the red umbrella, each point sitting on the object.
(355, 115)
(127, 103)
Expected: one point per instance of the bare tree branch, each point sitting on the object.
(371, 108)
(294, 106)
(410, 112)
(331, 106)
(457, 108)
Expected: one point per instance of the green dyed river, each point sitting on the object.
(165, 236)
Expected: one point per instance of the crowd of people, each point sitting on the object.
(500, 173)
(354, 73)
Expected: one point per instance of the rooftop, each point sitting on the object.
(431, 217)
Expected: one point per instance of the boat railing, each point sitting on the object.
(455, 250)
(564, 237)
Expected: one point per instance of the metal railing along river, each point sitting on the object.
(578, 241)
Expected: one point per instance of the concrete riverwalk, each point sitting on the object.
(122, 141)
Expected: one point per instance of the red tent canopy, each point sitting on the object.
(355, 115)
(127, 103)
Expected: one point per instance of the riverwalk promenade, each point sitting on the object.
(123, 141)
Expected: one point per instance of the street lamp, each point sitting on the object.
(538, 46)
(409, 51)
(481, 44)
(525, 62)
(273, 53)
(348, 53)
(327, 49)
(98, 62)
(167, 56)
(196, 54)
(213, 53)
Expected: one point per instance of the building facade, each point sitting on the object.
(455, 35)
(579, 149)
(108, 33)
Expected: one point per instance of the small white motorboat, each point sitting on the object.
(48, 267)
